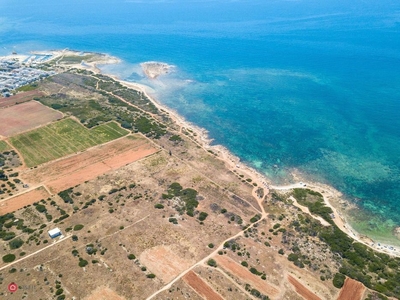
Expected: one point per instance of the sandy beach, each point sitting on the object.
(200, 136)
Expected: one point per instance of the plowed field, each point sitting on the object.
(22, 117)
(19, 201)
(19, 98)
(245, 275)
(352, 290)
(302, 290)
(76, 169)
(201, 287)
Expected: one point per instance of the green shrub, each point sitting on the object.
(212, 263)
(8, 258)
(173, 220)
(203, 216)
(16, 243)
(131, 256)
(244, 264)
(159, 206)
(41, 208)
(338, 280)
(211, 245)
(150, 275)
(78, 227)
(82, 262)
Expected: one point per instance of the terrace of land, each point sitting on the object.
(76, 169)
(62, 138)
(25, 116)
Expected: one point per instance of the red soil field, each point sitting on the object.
(19, 98)
(19, 201)
(302, 290)
(25, 116)
(245, 275)
(70, 171)
(201, 287)
(352, 290)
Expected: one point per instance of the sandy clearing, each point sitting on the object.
(19, 98)
(201, 287)
(302, 290)
(67, 172)
(20, 200)
(248, 277)
(25, 116)
(163, 262)
(352, 290)
(103, 293)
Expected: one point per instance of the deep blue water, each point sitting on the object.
(303, 85)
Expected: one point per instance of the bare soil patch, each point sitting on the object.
(245, 275)
(21, 200)
(164, 262)
(19, 98)
(104, 293)
(74, 170)
(201, 287)
(19, 118)
(302, 290)
(351, 290)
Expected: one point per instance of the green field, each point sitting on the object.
(4, 146)
(62, 138)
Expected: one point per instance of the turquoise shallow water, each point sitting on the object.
(303, 85)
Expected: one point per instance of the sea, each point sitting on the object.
(304, 87)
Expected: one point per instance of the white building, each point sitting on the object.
(53, 233)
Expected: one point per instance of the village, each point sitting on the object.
(19, 70)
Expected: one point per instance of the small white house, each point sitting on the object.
(53, 233)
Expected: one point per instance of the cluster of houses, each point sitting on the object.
(19, 71)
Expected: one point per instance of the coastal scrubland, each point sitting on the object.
(147, 212)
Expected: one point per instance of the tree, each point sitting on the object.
(212, 263)
(8, 258)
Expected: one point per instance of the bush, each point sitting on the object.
(159, 206)
(131, 256)
(173, 220)
(281, 252)
(150, 275)
(82, 262)
(211, 245)
(78, 227)
(338, 280)
(59, 292)
(16, 243)
(41, 208)
(244, 264)
(8, 236)
(8, 258)
(212, 263)
(203, 216)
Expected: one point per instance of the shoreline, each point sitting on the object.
(232, 160)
